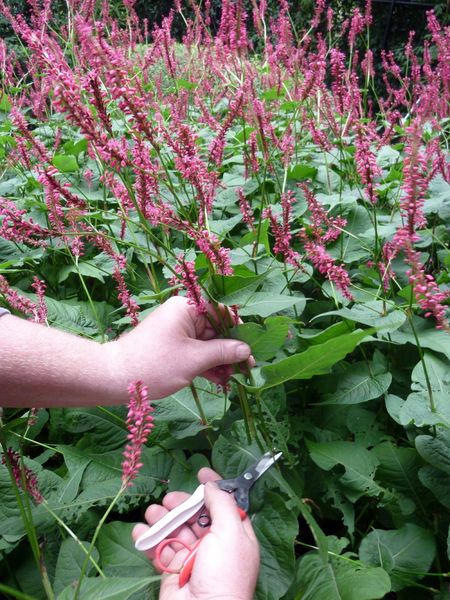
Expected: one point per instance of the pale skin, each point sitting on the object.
(166, 351)
(227, 561)
(45, 367)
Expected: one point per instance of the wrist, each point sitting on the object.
(116, 372)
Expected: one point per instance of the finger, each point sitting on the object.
(219, 351)
(222, 508)
(154, 513)
(206, 474)
(173, 499)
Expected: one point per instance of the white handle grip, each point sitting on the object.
(171, 521)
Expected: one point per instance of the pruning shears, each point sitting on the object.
(240, 486)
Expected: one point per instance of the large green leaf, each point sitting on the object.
(438, 482)
(99, 267)
(182, 414)
(398, 470)
(404, 553)
(264, 340)
(117, 588)
(118, 556)
(421, 409)
(359, 464)
(436, 475)
(427, 334)
(264, 304)
(385, 318)
(316, 360)
(341, 578)
(78, 317)
(70, 561)
(66, 163)
(435, 450)
(276, 527)
(360, 382)
(104, 427)
(302, 171)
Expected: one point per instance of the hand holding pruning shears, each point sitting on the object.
(225, 560)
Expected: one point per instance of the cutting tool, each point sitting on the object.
(158, 534)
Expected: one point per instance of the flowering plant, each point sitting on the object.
(278, 184)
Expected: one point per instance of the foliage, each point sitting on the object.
(270, 183)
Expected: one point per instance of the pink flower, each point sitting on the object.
(218, 256)
(366, 164)
(282, 231)
(185, 270)
(16, 300)
(24, 477)
(41, 312)
(246, 210)
(14, 227)
(326, 265)
(428, 295)
(140, 423)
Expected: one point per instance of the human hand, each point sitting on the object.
(227, 561)
(170, 347)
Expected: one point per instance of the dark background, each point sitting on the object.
(392, 19)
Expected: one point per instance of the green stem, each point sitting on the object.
(76, 595)
(202, 414)
(425, 370)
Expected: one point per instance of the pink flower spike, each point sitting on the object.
(185, 270)
(24, 477)
(139, 423)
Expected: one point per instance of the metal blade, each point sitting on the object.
(254, 472)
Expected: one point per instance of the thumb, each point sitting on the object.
(217, 351)
(222, 507)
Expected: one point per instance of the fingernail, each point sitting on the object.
(242, 352)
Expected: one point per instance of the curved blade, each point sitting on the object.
(255, 471)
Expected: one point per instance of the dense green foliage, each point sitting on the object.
(352, 382)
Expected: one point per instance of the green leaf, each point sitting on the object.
(264, 304)
(182, 414)
(78, 317)
(118, 556)
(118, 588)
(341, 579)
(436, 475)
(106, 426)
(69, 489)
(5, 104)
(70, 562)
(276, 527)
(185, 84)
(314, 336)
(316, 360)
(98, 268)
(264, 340)
(435, 450)
(403, 553)
(385, 318)
(398, 469)
(359, 464)
(438, 482)
(419, 408)
(359, 383)
(301, 172)
(242, 280)
(428, 335)
(65, 163)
